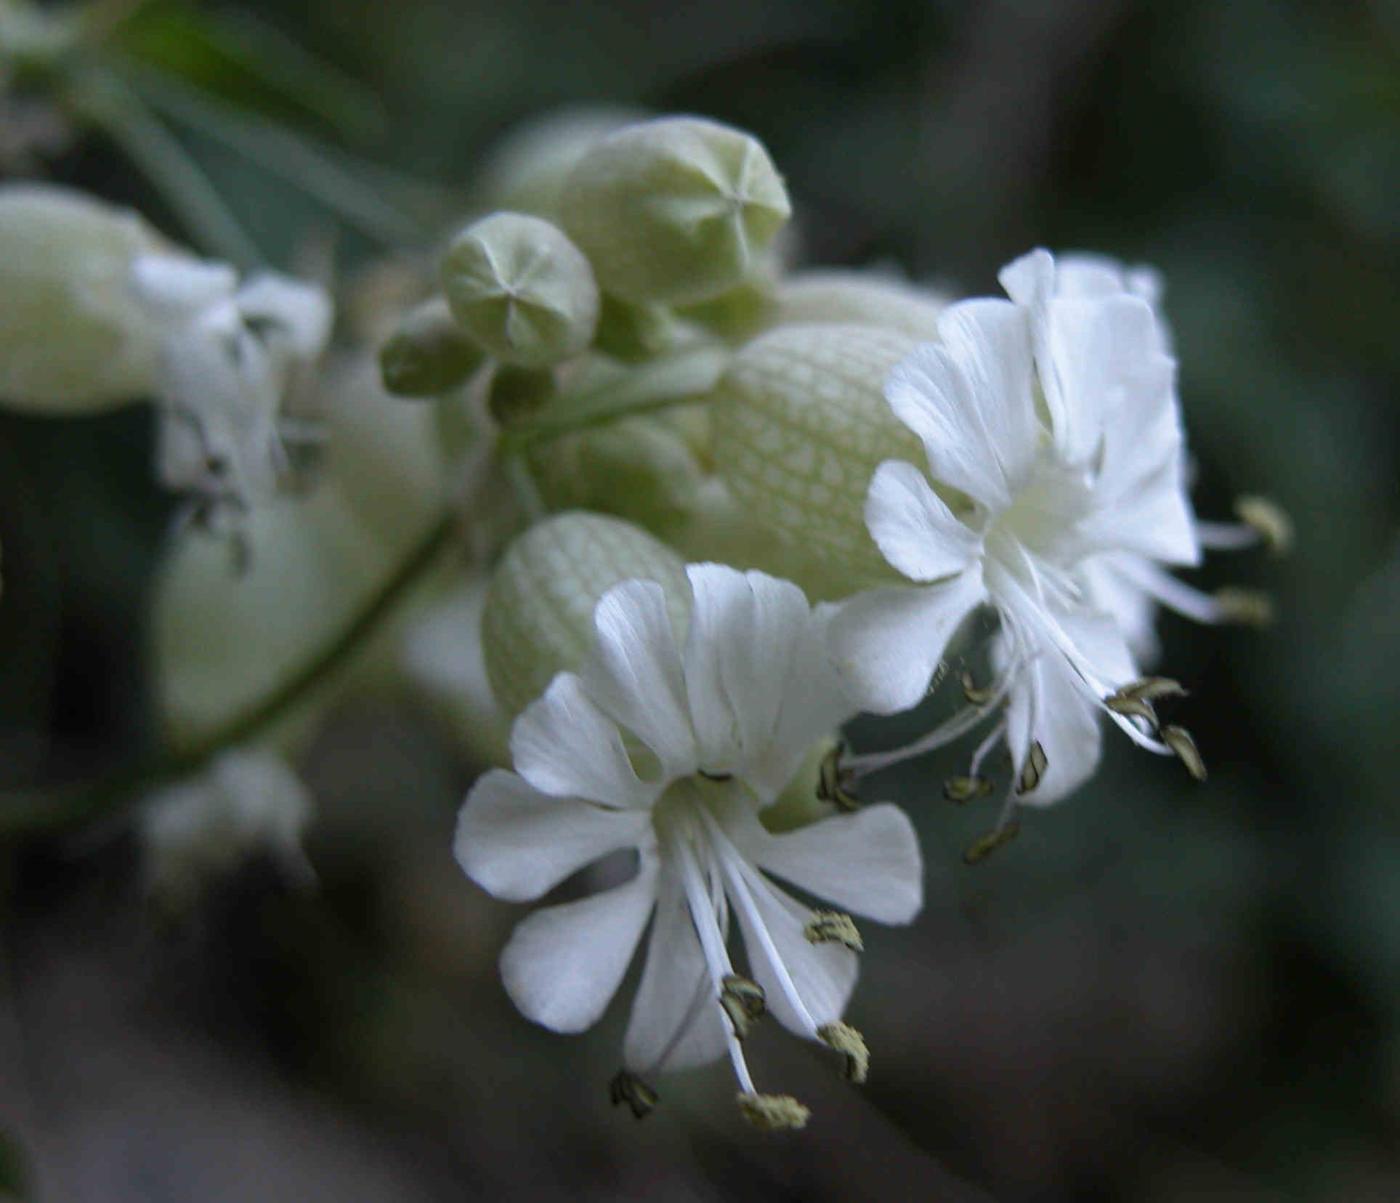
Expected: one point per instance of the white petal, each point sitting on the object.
(519, 843)
(822, 974)
(176, 287)
(886, 643)
(676, 1021)
(745, 631)
(1066, 723)
(635, 674)
(867, 863)
(913, 527)
(300, 313)
(562, 744)
(1029, 280)
(564, 963)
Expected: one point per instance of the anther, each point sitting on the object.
(1153, 689)
(851, 1045)
(627, 1088)
(1131, 707)
(1033, 770)
(773, 1112)
(1179, 740)
(989, 843)
(743, 1001)
(1247, 607)
(1269, 521)
(716, 776)
(834, 782)
(975, 696)
(833, 927)
(967, 789)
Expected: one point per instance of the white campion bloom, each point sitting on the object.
(1055, 458)
(247, 800)
(671, 749)
(229, 357)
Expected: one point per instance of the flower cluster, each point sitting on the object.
(712, 508)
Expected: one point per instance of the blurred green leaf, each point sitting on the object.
(14, 1170)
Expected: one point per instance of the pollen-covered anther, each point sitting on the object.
(743, 1001)
(1246, 607)
(833, 927)
(1153, 689)
(1131, 707)
(975, 695)
(1179, 740)
(773, 1112)
(851, 1045)
(1033, 770)
(1269, 521)
(834, 782)
(983, 848)
(627, 1088)
(967, 789)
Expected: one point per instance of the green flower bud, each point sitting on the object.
(859, 298)
(72, 340)
(538, 619)
(429, 353)
(525, 171)
(800, 425)
(675, 210)
(522, 289)
(636, 332)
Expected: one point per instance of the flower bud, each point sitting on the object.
(859, 298)
(675, 210)
(800, 425)
(429, 353)
(525, 171)
(522, 289)
(539, 607)
(71, 340)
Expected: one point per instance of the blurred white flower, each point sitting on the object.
(230, 357)
(248, 800)
(672, 751)
(1054, 447)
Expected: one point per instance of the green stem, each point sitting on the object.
(59, 809)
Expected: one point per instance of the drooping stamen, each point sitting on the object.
(1261, 521)
(959, 790)
(975, 696)
(833, 927)
(1180, 741)
(834, 781)
(627, 1088)
(1245, 607)
(979, 850)
(984, 749)
(773, 1112)
(847, 1041)
(743, 1001)
(1033, 770)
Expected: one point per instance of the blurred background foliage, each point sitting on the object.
(1160, 992)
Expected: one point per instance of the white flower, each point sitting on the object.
(230, 356)
(196, 829)
(672, 750)
(1054, 448)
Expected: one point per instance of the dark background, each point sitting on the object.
(1160, 992)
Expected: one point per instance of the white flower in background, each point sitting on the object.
(1055, 460)
(230, 356)
(198, 829)
(672, 750)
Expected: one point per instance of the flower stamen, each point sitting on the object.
(833, 927)
(626, 1087)
(847, 1041)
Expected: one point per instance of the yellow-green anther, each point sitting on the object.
(1246, 607)
(833, 927)
(833, 782)
(429, 353)
(983, 848)
(851, 1045)
(1179, 740)
(1033, 769)
(975, 695)
(773, 1112)
(517, 392)
(966, 789)
(1269, 521)
(743, 1001)
(627, 1088)
(1131, 707)
(1153, 689)
(522, 289)
(675, 210)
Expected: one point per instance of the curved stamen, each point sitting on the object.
(1227, 536)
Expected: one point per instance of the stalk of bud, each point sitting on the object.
(538, 619)
(676, 210)
(522, 289)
